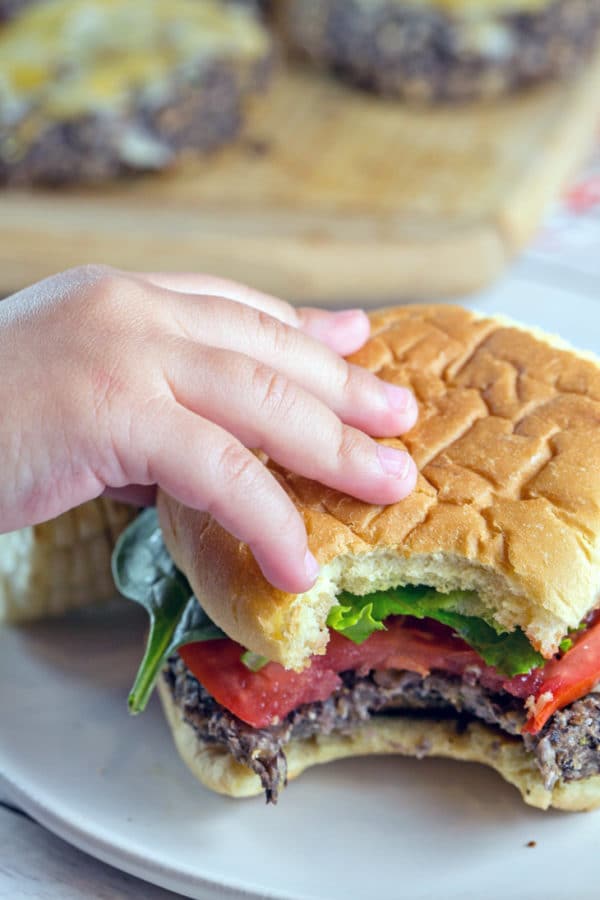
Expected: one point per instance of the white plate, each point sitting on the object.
(361, 829)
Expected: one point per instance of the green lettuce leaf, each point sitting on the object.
(144, 572)
(358, 617)
(355, 622)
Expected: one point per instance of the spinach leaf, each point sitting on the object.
(144, 572)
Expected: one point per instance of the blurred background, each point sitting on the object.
(324, 150)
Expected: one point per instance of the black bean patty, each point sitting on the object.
(420, 52)
(200, 116)
(568, 748)
(190, 104)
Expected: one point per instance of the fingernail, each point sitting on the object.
(342, 316)
(394, 462)
(311, 566)
(399, 398)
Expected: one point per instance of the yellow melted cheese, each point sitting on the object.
(70, 57)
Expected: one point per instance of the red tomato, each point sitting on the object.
(267, 696)
(566, 679)
(264, 697)
(258, 698)
(417, 648)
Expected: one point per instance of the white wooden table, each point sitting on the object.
(36, 865)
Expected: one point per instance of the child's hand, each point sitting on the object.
(109, 379)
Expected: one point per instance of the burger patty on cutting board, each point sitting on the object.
(441, 51)
(93, 90)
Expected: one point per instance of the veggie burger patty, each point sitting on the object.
(440, 50)
(91, 90)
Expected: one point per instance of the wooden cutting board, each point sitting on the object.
(332, 195)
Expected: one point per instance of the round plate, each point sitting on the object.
(387, 827)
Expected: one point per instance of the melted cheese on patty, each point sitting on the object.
(67, 58)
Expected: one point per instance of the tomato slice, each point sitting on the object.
(259, 698)
(566, 679)
(262, 698)
(415, 647)
(265, 697)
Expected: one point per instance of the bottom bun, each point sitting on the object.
(407, 736)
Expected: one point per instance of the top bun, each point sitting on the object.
(507, 502)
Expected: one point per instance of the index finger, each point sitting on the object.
(343, 331)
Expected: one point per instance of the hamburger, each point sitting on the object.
(93, 90)
(461, 622)
(444, 50)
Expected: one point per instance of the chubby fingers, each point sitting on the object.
(344, 331)
(207, 468)
(357, 396)
(259, 375)
(265, 409)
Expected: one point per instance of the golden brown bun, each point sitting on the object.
(220, 772)
(63, 564)
(507, 503)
